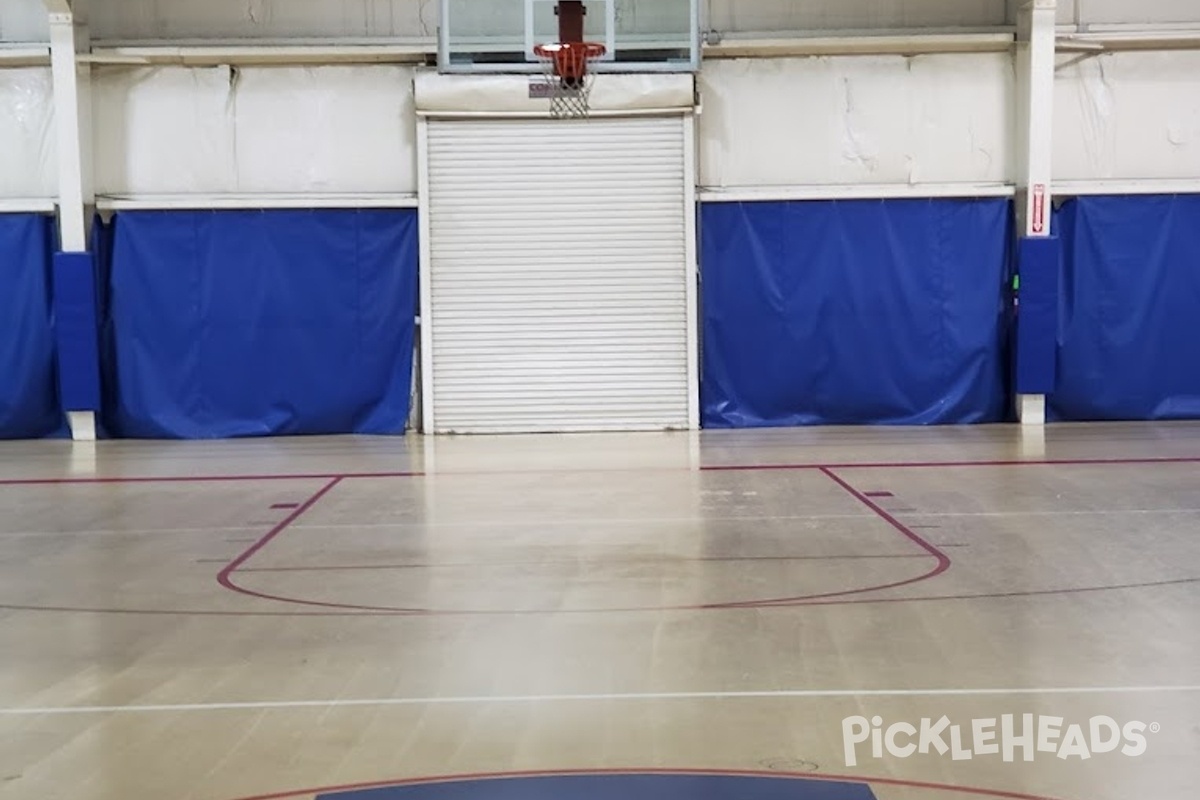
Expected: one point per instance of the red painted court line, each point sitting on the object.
(225, 576)
(705, 468)
(943, 563)
(1009, 595)
(1051, 462)
(158, 612)
(810, 776)
(943, 560)
(891, 520)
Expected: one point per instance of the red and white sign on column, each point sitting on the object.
(1037, 222)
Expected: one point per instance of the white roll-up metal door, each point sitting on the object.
(559, 275)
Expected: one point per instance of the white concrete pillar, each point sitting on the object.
(72, 109)
(1035, 143)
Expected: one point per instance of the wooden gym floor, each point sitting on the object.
(253, 619)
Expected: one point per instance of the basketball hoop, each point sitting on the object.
(568, 76)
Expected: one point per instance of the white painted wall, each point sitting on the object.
(27, 145)
(857, 120)
(23, 21)
(767, 124)
(173, 130)
(1128, 116)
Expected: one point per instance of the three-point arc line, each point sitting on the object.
(942, 563)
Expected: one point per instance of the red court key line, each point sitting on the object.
(225, 576)
(468, 612)
(943, 560)
(943, 564)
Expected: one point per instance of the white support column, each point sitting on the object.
(59, 6)
(425, 279)
(1035, 144)
(72, 109)
(691, 209)
(72, 85)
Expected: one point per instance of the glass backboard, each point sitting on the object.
(639, 35)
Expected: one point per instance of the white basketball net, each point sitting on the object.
(569, 96)
(568, 102)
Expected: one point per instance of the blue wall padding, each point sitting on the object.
(1129, 329)
(1037, 318)
(76, 331)
(244, 323)
(852, 312)
(617, 787)
(29, 406)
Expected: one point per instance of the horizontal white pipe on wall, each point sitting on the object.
(593, 114)
(295, 54)
(24, 56)
(859, 192)
(705, 194)
(27, 205)
(300, 55)
(428, 43)
(1132, 40)
(1142, 27)
(204, 202)
(308, 52)
(910, 44)
(291, 52)
(1127, 187)
(515, 115)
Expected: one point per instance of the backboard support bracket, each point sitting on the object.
(610, 26)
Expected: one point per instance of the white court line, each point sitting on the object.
(586, 698)
(465, 524)
(1099, 512)
(746, 518)
(136, 531)
(525, 523)
(592, 521)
